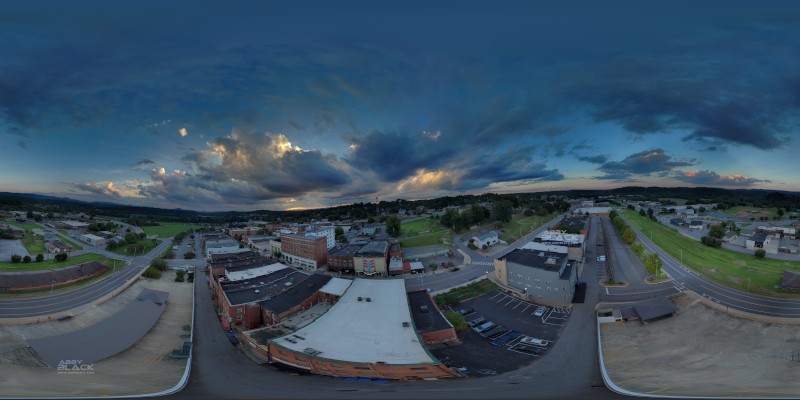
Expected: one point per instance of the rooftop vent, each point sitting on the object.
(541, 254)
(406, 324)
(288, 284)
(257, 291)
(424, 308)
(369, 299)
(312, 285)
(360, 299)
(290, 340)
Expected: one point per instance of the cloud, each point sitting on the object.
(22, 144)
(107, 190)
(139, 165)
(642, 163)
(712, 178)
(183, 132)
(245, 168)
(600, 159)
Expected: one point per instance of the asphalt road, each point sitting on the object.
(683, 278)
(32, 307)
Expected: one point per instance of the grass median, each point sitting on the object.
(7, 266)
(168, 230)
(727, 267)
(149, 246)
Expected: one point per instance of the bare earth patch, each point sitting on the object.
(740, 263)
(735, 279)
(711, 270)
(753, 213)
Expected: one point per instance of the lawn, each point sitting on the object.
(29, 225)
(48, 264)
(520, 225)
(421, 225)
(64, 240)
(474, 289)
(725, 266)
(74, 285)
(419, 241)
(146, 242)
(33, 247)
(111, 218)
(773, 212)
(677, 201)
(168, 230)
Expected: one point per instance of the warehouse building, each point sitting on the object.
(757, 240)
(546, 276)
(93, 239)
(374, 338)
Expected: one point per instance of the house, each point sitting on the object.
(679, 222)
(757, 240)
(730, 235)
(791, 280)
(544, 276)
(485, 239)
(57, 247)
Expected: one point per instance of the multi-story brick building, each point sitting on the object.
(310, 252)
(291, 302)
(328, 232)
(340, 258)
(250, 230)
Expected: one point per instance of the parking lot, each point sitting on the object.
(11, 247)
(457, 259)
(483, 358)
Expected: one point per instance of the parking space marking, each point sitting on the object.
(498, 294)
(526, 308)
(520, 303)
(512, 300)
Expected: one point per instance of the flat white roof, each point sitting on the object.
(90, 236)
(336, 286)
(365, 332)
(416, 265)
(255, 272)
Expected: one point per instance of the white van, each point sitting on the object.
(535, 342)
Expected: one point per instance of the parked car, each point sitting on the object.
(601, 258)
(467, 311)
(530, 350)
(455, 269)
(540, 311)
(534, 342)
(477, 321)
(485, 327)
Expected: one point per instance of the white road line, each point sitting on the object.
(520, 303)
(526, 308)
(508, 303)
(495, 296)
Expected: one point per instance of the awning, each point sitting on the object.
(225, 323)
(407, 266)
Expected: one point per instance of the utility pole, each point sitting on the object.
(748, 284)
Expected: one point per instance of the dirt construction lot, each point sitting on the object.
(701, 352)
(143, 368)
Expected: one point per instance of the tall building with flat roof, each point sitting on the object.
(310, 252)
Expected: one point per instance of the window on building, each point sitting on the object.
(238, 310)
(340, 370)
(360, 367)
(367, 373)
(281, 352)
(422, 368)
(300, 358)
(320, 363)
(528, 278)
(424, 373)
(324, 369)
(239, 317)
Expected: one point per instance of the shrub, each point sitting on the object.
(61, 257)
(178, 279)
(142, 235)
(26, 259)
(180, 273)
(15, 258)
(151, 272)
(39, 257)
(611, 282)
(188, 255)
(456, 319)
(760, 253)
(190, 277)
(472, 246)
(159, 264)
(112, 245)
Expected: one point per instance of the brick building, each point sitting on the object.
(429, 321)
(238, 302)
(310, 252)
(580, 223)
(340, 258)
(250, 230)
(374, 337)
(297, 299)
(372, 259)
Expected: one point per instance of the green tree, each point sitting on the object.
(628, 235)
(142, 236)
(50, 215)
(760, 253)
(39, 257)
(112, 245)
(393, 226)
(29, 214)
(26, 259)
(370, 220)
(338, 231)
(642, 213)
(159, 264)
(528, 212)
(456, 320)
(477, 214)
(717, 231)
(131, 237)
(433, 267)
(37, 217)
(780, 212)
(653, 263)
(188, 255)
(277, 254)
(650, 212)
(503, 210)
(549, 207)
(637, 247)
(702, 209)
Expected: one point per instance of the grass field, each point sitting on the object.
(70, 286)
(168, 230)
(773, 212)
(725, 266)
(421, 225)
(111, 218)
(147, 242)
(48, 264)
(29, 241)
(419, 241)
(677, 201)
(29, 225)
(521, 225)
(64, 240)
(474, 289)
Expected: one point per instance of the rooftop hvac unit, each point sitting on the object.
(288, 284)
(541, 254)
(369, 299)
(290, 340)
(257, 290)
(360, 299)
(406, 324)
(424, 308)
(311, 351)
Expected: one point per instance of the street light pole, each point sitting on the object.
(748, 284)
(681, 256)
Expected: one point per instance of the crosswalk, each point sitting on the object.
(483, 263)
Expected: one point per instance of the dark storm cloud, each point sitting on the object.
(712, 178)
(107, 190)
(600, 159)
(22, 145)
(515, 164)
(642, 163)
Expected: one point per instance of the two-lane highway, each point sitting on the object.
(685, 278)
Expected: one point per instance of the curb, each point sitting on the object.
(743, 314)
(660, 281)
(613, 286)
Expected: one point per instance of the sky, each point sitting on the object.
(280, 105)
